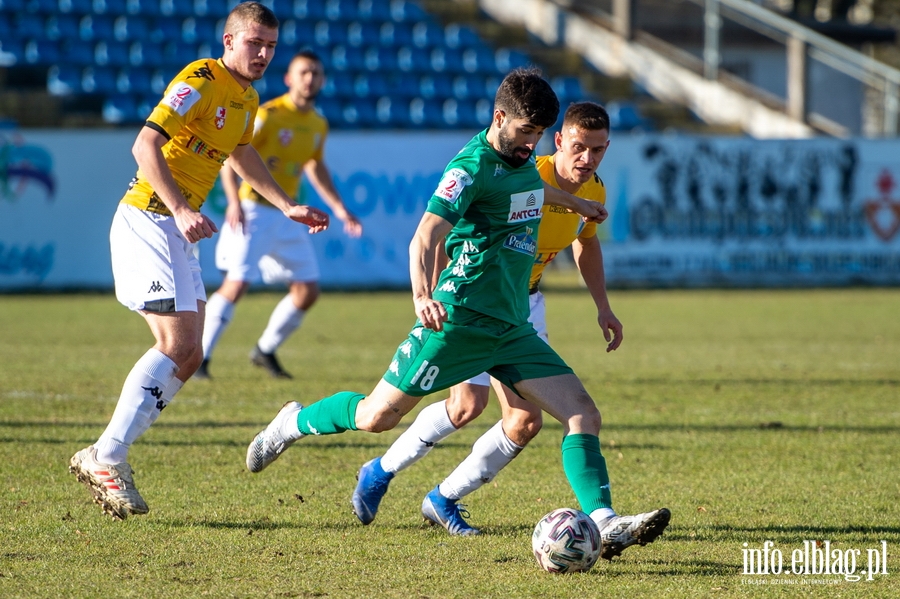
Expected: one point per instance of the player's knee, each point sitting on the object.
(466, 403)
(523, 427)
(378, 422)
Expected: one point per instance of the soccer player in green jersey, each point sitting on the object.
(486, 211)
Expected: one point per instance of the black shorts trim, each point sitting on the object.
(164, 306)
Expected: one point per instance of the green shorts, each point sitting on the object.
(471, 343)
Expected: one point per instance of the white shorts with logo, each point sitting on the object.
(538, 319)
(270, 247)
(155, 268)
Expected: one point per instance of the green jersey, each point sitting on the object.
(495, 210)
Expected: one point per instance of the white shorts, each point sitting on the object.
(155, 268)
(537, 317)
(270, 247)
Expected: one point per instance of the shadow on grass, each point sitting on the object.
(800, 531)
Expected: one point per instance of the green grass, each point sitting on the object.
(752, 415)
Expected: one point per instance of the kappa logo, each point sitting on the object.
(156, 392)
(499, 171)
(203, 72)
(448, 286)
(161, 405)
(156, 287)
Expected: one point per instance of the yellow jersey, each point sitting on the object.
(205, 114)
(286, 138)
(559, 227)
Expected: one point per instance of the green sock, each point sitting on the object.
(331, 415)
(585, 467)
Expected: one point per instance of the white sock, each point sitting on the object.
(139, 405)
(490, 454)
(601, 515)
(286, 318)
(430, 426)
(219, 312)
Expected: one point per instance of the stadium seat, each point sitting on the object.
(275, 86)
(75, 7)
(119, 109)
(446, 60)
(98, 80)
(95, 27)
(371, 86)
(145, 106)
(330, 109)
(362, 33)
(127, 29)
(380, 59)
(345, 58)
(134, 81)
(491, 83)
(196, 31)
(479, 60)
(12, 52)
(404, 85)
(411, 60)
(568, 89)
(111, 54)
(165, 29)
(59, 27)
(484, 111)
(395, 34)
(41, 52)
(358, 114)
(145, 54)
(427, 35)
(27, 26)
(404, 10)
(78, 52)
(160, 79)
(144, 8)
(63, 80)
(301, 9)
(41, 7)
(12, 6)
(215, 9)
(338, 85)
(391, 113)
(340, 10)
(461, 36)
(460, 114)
(468, 87)
(176, 8)
(6, 28)
(625, 116)
(507, 60)
(294, 32)
(435, 87)
(108, 7)
(425, 113)
(328, 33)
(374, 10)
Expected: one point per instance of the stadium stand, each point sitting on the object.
(390, 63)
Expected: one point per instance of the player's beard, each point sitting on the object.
(508, 150)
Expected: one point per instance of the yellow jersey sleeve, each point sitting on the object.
(205, 114)
(559, 227)
(286, 139)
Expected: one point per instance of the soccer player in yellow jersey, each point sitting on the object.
(581, 145)
(256, 242)
(205, 118)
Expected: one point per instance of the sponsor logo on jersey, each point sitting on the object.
(220, 117)
(285, 136)
(452, 184)
(499, 171)
(236, 105)
(524, 242)
(449, 286)
(181, 98)
(198, 146)
(525, 206)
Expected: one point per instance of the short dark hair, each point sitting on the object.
(250, 12)
(524, 94)
(307, 54)
(588, 116)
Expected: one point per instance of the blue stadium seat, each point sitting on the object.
(404, 10)
(491, 83)
(404, 85)
(161, 78)
(468, 87)
(126, 29)
(176, 8)
(6, 28)
(330, 109)
(425, 114)
(411, 60)
(294, 32)
(484, 111)
(41, 52)
(344, 58)
(568, 89)
(141, 53)
(196, 31)
(63, 80)
(78, 52)
(479, 60)
(28, 26)
(460, 114)
(300, 9)
(461, 36)
(144, 8)
(111, 54)
(626, 116)
(391, 113)
(363, 33)
(435, 87)
(446, 60)
(95, 27)
(340, 10)
(165, 29)
(374, 10)
(75, 7)
(98, 80)
(12, 52)
(12, 6)
(395, 34)
(108, 7)
(60, 27)
(507, 60)
(359, 114)
(380, 59)
(372, 85)
(328, 33)
(275, 85)
(427, 35)
(214, 9)
(120, 109)
(338, 85)
(42, 7)
(145, 106)
(134, 81)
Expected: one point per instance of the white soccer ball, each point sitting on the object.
(566, 540)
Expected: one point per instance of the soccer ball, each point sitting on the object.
(566, 540)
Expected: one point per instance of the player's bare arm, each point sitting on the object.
(245, 160)
(426, 243)
(591, 211)
(147, 151)
(320, 178)
(588, 257)
(234, 214)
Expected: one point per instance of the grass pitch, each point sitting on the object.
(753, 415)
